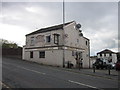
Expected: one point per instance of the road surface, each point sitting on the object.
(23, 74)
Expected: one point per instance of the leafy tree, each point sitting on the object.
(7, 44)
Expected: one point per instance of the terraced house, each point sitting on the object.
(57, 45)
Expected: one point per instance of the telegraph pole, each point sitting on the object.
(63, 35)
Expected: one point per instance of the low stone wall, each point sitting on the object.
(12, 52)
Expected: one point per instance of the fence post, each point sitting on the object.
(94, 68)
(109, 69)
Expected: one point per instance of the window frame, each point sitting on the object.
(31, 54)
(110, 54)
(86, 43)
(32, 41)
(41, 54)
(56, 38)
(48, 40)
(77, 40)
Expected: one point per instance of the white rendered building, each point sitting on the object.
(56, 45)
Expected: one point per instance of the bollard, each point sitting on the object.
(109, 69)
(79, 66)
(93, 68)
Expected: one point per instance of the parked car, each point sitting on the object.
(101, 63)
(112, 65)
(117, 65)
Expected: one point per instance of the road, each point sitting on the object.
(23, 74)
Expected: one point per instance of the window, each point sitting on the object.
(42, 54)
(74, 27)
(32, 41)
(77, 40)
(86, 43)
(110, 54)
(73, 53)
(31, 54)
(105, 54)
(48, 39)
(100, 54)
(56, 38)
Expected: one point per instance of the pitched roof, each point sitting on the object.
(52, 28)
(105, 51)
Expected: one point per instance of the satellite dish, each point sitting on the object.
(81, 34)
(80, 30)
(78, 26)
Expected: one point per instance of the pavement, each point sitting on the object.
(99, 73)
(24, 74)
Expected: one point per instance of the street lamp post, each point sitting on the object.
(63, 36)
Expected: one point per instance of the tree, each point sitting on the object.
(7, 44)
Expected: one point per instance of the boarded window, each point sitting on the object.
(40, 38)
(41, 54)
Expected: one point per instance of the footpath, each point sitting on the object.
(113, 74)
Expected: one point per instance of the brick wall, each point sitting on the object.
(12, 52)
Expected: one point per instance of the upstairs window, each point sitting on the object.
(40, 38)
(41, 54)
(48, 38)
(56, 38)
(86, 43)
(110, 54)
(105, 54)
(32, 41)
(78, 40)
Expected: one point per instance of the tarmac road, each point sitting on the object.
(23, 74)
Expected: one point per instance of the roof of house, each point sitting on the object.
(105, 51)
(52, 28)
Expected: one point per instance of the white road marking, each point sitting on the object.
(4, 85)
(82, 84)
(32, 70)
(26, 69)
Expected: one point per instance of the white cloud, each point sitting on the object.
(99, 20)
(13, 33)
(102, 39)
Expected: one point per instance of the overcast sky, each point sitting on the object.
(99, 20)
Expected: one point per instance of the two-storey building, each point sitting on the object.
(108, 55)
(57, 45)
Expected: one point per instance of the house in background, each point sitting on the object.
(108, 54)
(92, 60)
(57, 45)
(118, 56)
